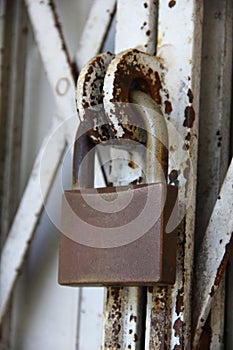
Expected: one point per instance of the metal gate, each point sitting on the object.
(44, 44)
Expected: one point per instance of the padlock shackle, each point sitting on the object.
(157, 146)
(83, 169)
(157, 136)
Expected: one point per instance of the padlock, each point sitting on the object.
(125, 244)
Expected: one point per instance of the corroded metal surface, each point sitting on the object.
(124, 317)
(90, 83)
(179, 48)
(157, 319)
(128, 37)
(131, 70)
(118, 262)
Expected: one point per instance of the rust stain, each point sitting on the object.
(190, 95)
(223, 264)
(158, 320)
(131, 164)
(178, 328)
(173, 177)
(133, 318)
(131, 75)
(112, 332)
(189, 115)
(168, 107)
(180, 301)
(172, 3)
(185, 147)
(188, 136)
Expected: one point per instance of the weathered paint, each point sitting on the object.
(157, 319)
(136, 25)
(131, 34)
(54, 55)
(123, 327)
(131, 69)
(179, 48)
(214, 136)
(56, 62)
(89, 94)
(95, 30)
(214, 254)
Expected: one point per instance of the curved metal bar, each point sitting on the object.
(90, 83)
(130, 70)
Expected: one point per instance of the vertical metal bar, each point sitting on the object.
(13, 53)
(214, 133)
(14, 41)
(229, 306)
(125, 307)
(213, 255)
(123, 318)
(90, 318)
(179, 45)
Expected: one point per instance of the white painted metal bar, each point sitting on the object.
(217, 318)
(95, 30)
(229, 305)
(90, 318)
(53, 55)
(59, 74)
(26, 218)
(123, 318)
(60, 78)
(214, 135)
(214, 252)
(219, 308)
(124, 315)
(179, 46)
(136, 25)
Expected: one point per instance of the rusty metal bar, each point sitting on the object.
(139, 32)
(179, 46)
(123, 318)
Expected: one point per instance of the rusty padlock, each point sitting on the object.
(106, 247)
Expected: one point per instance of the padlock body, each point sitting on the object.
(141, 253)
